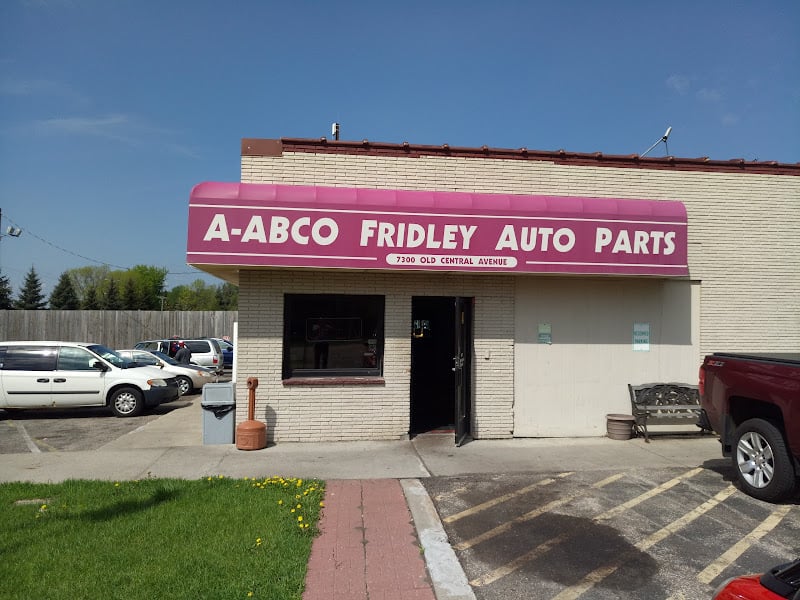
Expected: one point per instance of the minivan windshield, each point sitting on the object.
(109, 355)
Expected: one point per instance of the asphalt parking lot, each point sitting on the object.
(70, 430)
(665, 533)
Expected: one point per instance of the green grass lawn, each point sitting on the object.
(158, 538)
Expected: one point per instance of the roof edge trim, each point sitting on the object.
(276, 147)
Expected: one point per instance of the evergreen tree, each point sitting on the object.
(130, 298)
(6, 302)
(30, 294)
(90, 299)
(64, 296)
(112, 300)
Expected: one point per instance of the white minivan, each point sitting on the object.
(72, 374)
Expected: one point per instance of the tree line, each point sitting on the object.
(99, 288)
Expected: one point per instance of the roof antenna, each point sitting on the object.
(335, 131)
(663, 139)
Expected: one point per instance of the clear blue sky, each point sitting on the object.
(110, 111)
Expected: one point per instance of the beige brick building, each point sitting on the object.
(545, 354)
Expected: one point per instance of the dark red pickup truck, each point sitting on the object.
(753, 403)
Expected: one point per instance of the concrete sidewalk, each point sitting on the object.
(378, 520)
(172, 446)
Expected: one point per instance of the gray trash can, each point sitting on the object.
(219, 413)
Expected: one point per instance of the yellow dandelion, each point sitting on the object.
(280, 502)
(300, 518)
(321, 503)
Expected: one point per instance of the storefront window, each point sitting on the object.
(330, 335)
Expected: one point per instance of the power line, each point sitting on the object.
(57, 247)
(99, 262)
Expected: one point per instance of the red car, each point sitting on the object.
(779, 583)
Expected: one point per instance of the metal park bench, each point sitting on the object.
(664, 404)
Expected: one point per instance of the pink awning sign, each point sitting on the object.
(246, 224)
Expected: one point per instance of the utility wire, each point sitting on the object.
(99, 262)
(41, 239)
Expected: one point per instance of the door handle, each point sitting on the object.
(59, 380)
(42, 380)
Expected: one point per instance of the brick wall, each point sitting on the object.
(353, 412)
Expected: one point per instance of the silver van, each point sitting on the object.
(205, 352)
(73, 374)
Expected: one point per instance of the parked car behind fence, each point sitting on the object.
(205, 352)
(227, 352)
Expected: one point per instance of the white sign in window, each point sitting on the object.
(641, 337)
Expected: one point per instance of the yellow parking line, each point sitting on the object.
(598, 575)
(518, 562)
(675, 526)
(495, 501)
(708, 574)
(487, 535)
(647, 495)
(496, 574)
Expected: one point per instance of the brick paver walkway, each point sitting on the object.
(367, 548)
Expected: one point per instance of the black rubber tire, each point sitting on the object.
(185, 385)
(126, 402)
(761, 461)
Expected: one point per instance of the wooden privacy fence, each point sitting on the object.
(113, 328)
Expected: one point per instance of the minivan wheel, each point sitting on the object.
(126, 402)
(184, 385)
(761, 461)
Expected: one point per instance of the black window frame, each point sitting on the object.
(30, 358)
(341, 311)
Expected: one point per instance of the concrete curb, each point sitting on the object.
(448, 578)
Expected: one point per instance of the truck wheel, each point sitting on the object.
(762, 463)
(126, 402)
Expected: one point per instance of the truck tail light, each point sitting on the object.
(701, 384)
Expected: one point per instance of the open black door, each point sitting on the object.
(441, 363)
(462, 363)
